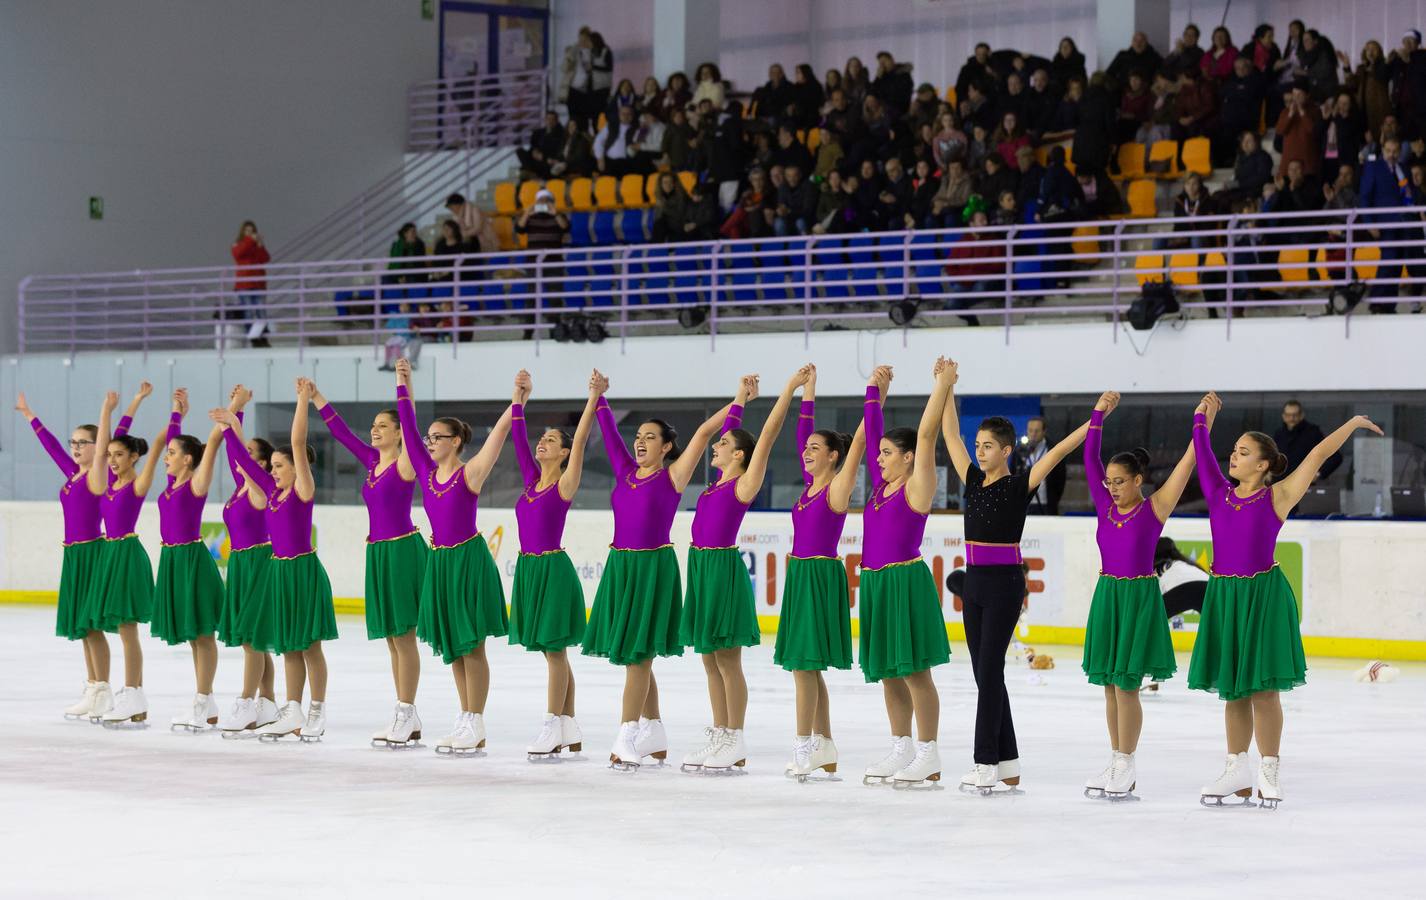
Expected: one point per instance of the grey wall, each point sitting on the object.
(188, 116)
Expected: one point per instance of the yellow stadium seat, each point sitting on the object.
(1292, 264)
(1131, 160)
(1143, 202)
(1195, 156)
(1366, 254)
(528, 190)
(504, 232)
(1086, 241)
(1042, 154)
(951, 95)
(558, 187)
(606, 192)
(505, 198)
(603, 120)
(651, 188)
(1164, 153)
(581, 195)
(1216, 260)
(1149, 267)
(814, 140)
(1177, 263)
(631, 191)
(688, 180)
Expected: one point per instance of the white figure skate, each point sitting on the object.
(289, 722)
(1234, 785)
(241, 720)
(404, 732)
(1269, 789)
(693, 760)
(731, 756)
(203, 716)
(316, 725)
(884, 770)
(1123, 779)
(79, 710)
(546, 745)
(130, 710)
(103, 702)
(924, 770)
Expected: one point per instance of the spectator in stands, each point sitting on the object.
(1160, 124)
(796, 211)
(1342, 134)
(1094, 134)
(829, 154)
(894, 198)
(924, 185)
(1319, 59)
(1263, 52)
(1385, 184)
(450, 243)
(724, 154)
(1286, 71)
(475, 228)
(976, 71)
(1013, 99)
(709, 86)
(1040, 104)
(1135, 104)
(1217, 63)
(646, 143)
(753, 215)
(878, 122)
(790, 151)
(611, 144)
(673, 216)
(1296, 438)
(949, 142)
(543, 227)
(1186, 55)
(676, 147)
(1060, 196)
(601, 75)
(1408, 73)
(925, 107)
(1194, 105)
(704, 211)
(1253, 168)
(1005, 212)
(675, 95)
(1297, 131)
(1101, 198)
(1191, 203)
(996, 176)
(1029, 173)
(546, 148)
(951, 196)
(1240, 108)
(1045, 501)
(1067, 64)
(1370, 83)
(978, 149)
(1065, 119)
(579, 89)
(650, 98)
(866, 197)
(577, 156)
(1341, 193)
(1009, 138)
(975, 107)
(1140, 54)
(832, 81)
(807, 96)
(1390, 131)
(761, 154)
(856, 82)
(250, 279)
(831, 200)
(772, 101)
(407, 255)
(624, 96)
(843, 120)
(921, 146)
(976, 266)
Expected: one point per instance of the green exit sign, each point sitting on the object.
(428, 9)
(96, 208)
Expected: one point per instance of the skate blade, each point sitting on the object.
(877, 780)
(310, 739)
(815, 778)
(727, 772)
(274, 738)
(81, 717)
(1096, 793)
(691, 768)
(623, 766)
(1267, 802)
(461, 751)
(553, 757)
(126, 725)
(241, 734)
(929, 783)
(178, 728)
(1240, 802)
(397, 745)
(1130, 797)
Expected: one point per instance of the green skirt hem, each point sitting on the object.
(719, 611)
(294, 610)
(637, 609)
(547, 612)
(1127, 634)
(902, 628)
(125, 585)
(462, 600)
(395, 571)
(77, 612)
(814, 629)
(1249, 638)
(188, 595)
(247, 574)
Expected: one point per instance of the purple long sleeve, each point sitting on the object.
(365, 454)
(620, 459)
(1210, 476)
(233, 468)
(411, 433)
(1094, 463)
(175, 428)
(386, 494)
(875, 427)
(1126, 541)
(55, 449)
(806, 424)
(125, 423)
(733, 419)
(79, 506)
(529, 469)
(1244, 529)
(255, 473)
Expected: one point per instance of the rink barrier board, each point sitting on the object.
(1359, 583)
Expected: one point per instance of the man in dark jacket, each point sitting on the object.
(1095, 130)
(976, 70)
(1240, 109)
(1297, 437)
(893, 83)
(796, 204)
(1385, 184)
(790, 151)
(1407, 64)
(546, 147)
(1140, 54)
(774, 97)
(1046, 499)
(1040, 104)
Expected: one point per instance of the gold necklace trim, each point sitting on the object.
(1120, 523)
(456, 479)
(636, 483)
(1239, 502)
(879, 498)
(531, 498)
(811, 499)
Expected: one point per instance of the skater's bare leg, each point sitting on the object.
(316, 662)
(133, 655)
(1131, 720)
(651, 697)
(255, 666)
(823, 722)
(559, 684)
(477, 679)
(405, 665)
(1238, 721)
(898, 705)
(638, 679)
(717, 690)
(88, 660)
(1111, 715)
(807, 697)
(458, 672)
(205, 662)
(927, 703)
(1267, 721)
(96, 650)
(268, 688)
(568, 709)
(294, 670)
(735, 686)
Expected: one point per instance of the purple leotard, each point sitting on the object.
(386, 494)
(816, 527)
(893, 530)
(719, 512)
(451, 505)
(1244, 528)
(643, 508)
(120, 507)
(180, 511)
(1126, 540)
(80, 507)
(246, 524)
(540, 514)
(289, 518)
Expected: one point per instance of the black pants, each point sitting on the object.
(991, 609)
(1185, 597)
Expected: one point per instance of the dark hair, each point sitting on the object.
(91, 430)
(264, 452)
(837, 442)
(1261, 30)
(566, 442)
(1293, 402)
(135, 445)
(394, 416)
(1000, 429)
(1166, 552)
(712, 70)
(903, 439)
(670, 436)
(461, 429)
(743, 440)
(1277, 463)
(188, 445)
(455, 198)
(1136, 461)
(290, 452)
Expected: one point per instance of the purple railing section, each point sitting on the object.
(1310, 261)
(475, 111)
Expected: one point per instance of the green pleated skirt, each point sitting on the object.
(814, 629)
(1249, 639)
(395, 571)
(462, 600)
(247, 579)
(125, 585)
(719, 610)
(901, 628)
(1127, 635)
(293, 608)
(79, 577)
(546, 602)
(636, 610)
(188, 598)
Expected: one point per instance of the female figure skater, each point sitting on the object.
(249, 551)
(814, 630)
(125, 583)
(995, 505)
(395, 557)
(903, 633)
(547, 600)
(719, 613)
(636, 610)
(1126, 636)
(188, 597)
(292, 614)
(77, 615)
(1249, 647)
(462, 599)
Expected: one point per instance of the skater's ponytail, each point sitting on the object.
(1267, 448)
(566, 443)
(264, 452)
(191, 447)
(903, 439)
(743, 442)
(838, 442)
(1135, 462)
(135, 445)
(461, 429)
(395, 418)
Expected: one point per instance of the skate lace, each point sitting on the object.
(551, 729)
(1118, 768)
(898, 750)
(714, 738)
(1269, 771)
(802, 752)
(1228, 767)
(924, 752)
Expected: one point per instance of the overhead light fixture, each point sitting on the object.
(903, 311)
(1344, 299)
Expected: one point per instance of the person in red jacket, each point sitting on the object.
(250, 279)
(976, 266)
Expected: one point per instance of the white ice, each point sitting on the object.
(90, 812)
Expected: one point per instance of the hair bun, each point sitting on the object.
(1279, 465)
(141, 446)
(1142, 456)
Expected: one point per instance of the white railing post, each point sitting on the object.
(807, 291)
(1228, 280)
(624, 296)
(1009, 276)
(145, 338)
(455, 303)
(713, 296)
(1115, 263)
(540, 299)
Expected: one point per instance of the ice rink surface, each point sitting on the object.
(97, 813)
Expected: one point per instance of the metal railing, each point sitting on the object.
(1308, 262)
(475, 111)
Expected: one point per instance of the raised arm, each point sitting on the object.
(751, 481)
(921, 486)
(1056, 455)
(203, 476)
(365, 454)
(144, 480)
(127, 420)
(747, 392)
(1290, 491)
(574, 468)
(98, 478)
(1171, 491)
(304, 486)
(52, 446)
(1094, 450)
(620, 459)
(237, 399)
(1210, 476)
(519, 432)
(412, 437)
(807, 422)
(479, 466)
(873, 427)
(839, 492)
(680, 472)
(951, 429)
(233, 442)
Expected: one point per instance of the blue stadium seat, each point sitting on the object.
(737, 270)
(634, 226)
(658, 271)
(690, 276)
(581, 233)
(604, 228)
(830, 268)
(861, 260)
(576, 272)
